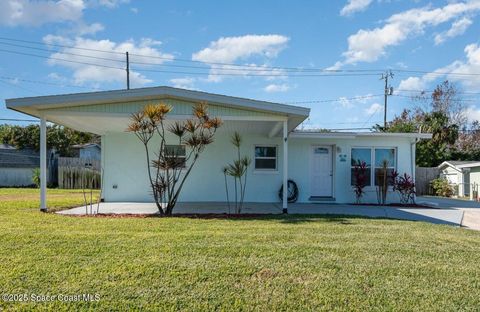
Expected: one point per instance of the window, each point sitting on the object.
(387, 156)
(177, 152)
(265, 158)
(360, 155)
(374, 157)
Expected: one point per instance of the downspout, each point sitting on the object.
(413, 149)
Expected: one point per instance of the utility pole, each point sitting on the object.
(128, 72)
(388, 91)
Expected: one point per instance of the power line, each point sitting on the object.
(436, 73)
(252, 66)
(336, 100)
(186, 73)
(41, 82)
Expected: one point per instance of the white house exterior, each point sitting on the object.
(464, 175)
(319, 162)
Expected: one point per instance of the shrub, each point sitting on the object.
(360, 179)
(441, 187)
(36, 177)
(405, 187)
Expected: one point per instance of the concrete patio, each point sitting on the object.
(432, 215)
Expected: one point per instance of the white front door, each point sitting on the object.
(321, 171)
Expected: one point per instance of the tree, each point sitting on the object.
(59, 137)
(432, 152)
(172, 165)
(446, 98)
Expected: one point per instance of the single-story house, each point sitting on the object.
(464, 175)
(319, 162)
(91, 151)
(16, 166)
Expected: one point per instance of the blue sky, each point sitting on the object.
(276, 43)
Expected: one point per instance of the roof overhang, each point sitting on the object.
(36, 106)
(354, 135)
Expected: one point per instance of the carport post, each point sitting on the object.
(43, 164)
(285, 166)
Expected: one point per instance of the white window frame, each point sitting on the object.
(374, 165)
(265, 170)
(372, 159)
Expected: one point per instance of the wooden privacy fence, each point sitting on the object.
(78, 173)
(423, 176)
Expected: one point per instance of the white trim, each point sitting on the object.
(285, 166)
(372, 159)
(333, 153)
(266, 170)
(103, 97)
(43, 164)
(352, 135)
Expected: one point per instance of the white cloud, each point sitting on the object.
(140, 51)
(36, 13)
(183, 83)
(233, 49)
(374, 108)
(458, 28)
(134, 10)
(271, 88)
(412, 83)
(463, 71)
(88, 29)
(106, 3)
(354, 6)
(39, 12)
(369, 45)
(473, 113)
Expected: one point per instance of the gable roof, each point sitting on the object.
(32, 105)
(456, 164)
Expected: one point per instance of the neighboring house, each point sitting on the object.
(464, 175)
(91, 151)
(16, 166)
(319, 162)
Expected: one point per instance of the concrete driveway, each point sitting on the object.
(470, 209)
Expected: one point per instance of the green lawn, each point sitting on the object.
(271, 263)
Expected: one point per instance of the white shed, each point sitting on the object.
(464, 175)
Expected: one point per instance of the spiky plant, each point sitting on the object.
(238, 170)
(169, 170)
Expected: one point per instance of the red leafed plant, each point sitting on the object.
(405, 187)
(360, 179)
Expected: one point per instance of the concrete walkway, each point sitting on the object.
(470, 209)
(438, 216)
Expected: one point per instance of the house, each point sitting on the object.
(16, 166)
(463, 175)
(90, 151)
(319, 162)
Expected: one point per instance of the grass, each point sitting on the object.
(271, 263)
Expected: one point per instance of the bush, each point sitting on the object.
(405, 187)
(36, 177)
(441, 187)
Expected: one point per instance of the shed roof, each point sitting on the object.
(458, 164)
(15, 158)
